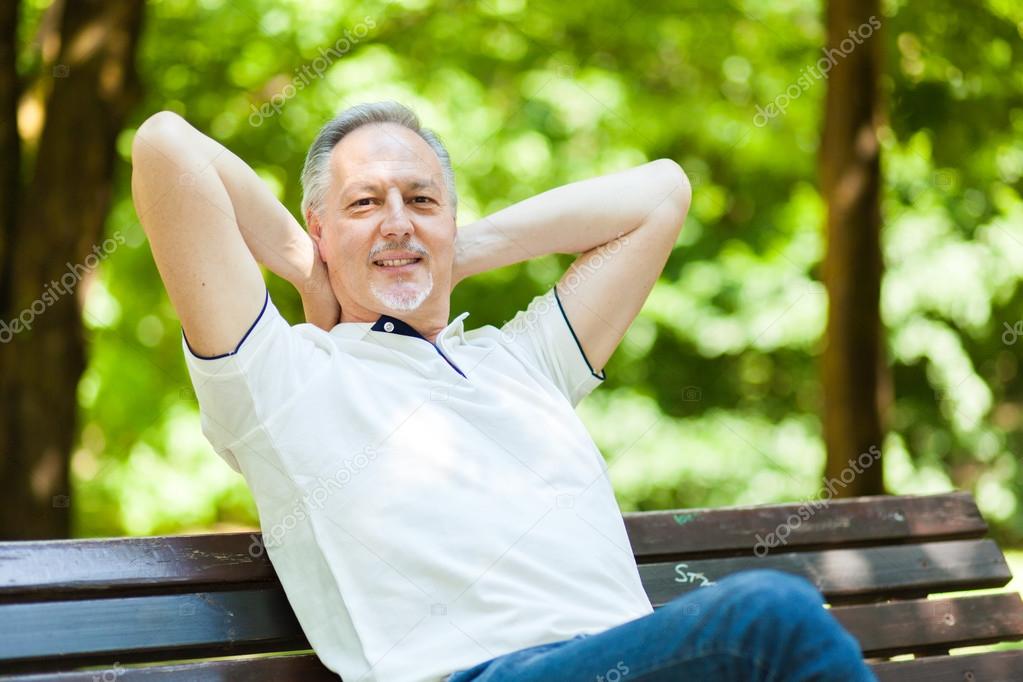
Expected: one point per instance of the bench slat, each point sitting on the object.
(304, 667)
(222, 623)
(62, 569)
(882, 630)
(153, 628)
(864, 520)
(845, 575)
(923, 626)
(1000, 666)
(995, 666)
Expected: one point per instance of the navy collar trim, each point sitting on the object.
(392, 325)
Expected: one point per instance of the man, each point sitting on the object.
(431, 502)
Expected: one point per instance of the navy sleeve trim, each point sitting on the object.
(266, 300)
(603, 374)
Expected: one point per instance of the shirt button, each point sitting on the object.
(388, 326)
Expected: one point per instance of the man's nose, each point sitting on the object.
(396, 218)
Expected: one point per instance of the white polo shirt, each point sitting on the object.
(426, 507)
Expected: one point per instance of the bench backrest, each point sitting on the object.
(115, 602)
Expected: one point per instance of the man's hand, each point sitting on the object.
(318, 300)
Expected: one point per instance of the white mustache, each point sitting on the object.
(418, 250)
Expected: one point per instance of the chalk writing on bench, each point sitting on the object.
(686, 576)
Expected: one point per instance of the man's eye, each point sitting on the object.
(358, 202)
(422, 197)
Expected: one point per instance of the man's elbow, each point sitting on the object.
(160, 131)
(156, 165)
(674, 194)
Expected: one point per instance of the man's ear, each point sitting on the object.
(315, 231)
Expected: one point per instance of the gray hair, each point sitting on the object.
(316, 172)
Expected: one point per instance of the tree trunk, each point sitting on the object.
(855, 376)
(10, 144)
(57, 240)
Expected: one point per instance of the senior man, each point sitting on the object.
(430, 500)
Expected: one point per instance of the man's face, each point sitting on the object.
(387, 205)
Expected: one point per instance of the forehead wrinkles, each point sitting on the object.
(385, 173)
(377, 176)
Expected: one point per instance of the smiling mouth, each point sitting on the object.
(397, 263)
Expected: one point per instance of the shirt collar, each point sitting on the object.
(392, 325)
(387, 324)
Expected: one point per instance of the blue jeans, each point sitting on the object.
(757, 625)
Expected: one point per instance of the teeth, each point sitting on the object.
(402, 261)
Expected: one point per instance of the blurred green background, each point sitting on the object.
(714, 396)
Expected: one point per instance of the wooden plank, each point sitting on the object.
(62, 568)
(880, 630)
(995, 666)
(304, 667)
(845, 575)
(696, 533)
(152, 628)
(923, 626)
(182, 626)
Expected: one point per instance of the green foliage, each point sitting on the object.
(713, 397)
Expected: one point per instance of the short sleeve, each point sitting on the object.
(240, 391)
(543, 335)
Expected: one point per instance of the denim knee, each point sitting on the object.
(776, 593)
(768, 587)
(773, 591)
(775, 620)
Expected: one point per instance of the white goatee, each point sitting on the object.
(402, 299)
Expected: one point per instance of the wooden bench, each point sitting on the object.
(163, 602)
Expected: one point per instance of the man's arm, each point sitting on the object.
(624, 224)
(209, 220)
